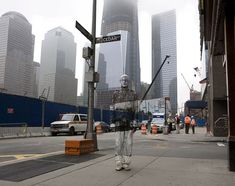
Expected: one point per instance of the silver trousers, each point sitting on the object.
(124, 143)
(177, 128)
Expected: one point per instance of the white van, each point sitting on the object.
(71, 123)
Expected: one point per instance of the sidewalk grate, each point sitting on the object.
(24, 170)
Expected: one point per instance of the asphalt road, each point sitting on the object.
(23, 148)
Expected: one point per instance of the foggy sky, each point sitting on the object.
(45, 15)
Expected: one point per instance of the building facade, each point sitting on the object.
(36, 75)
(58, 60)
(217, 29)
(164, 43)
(16, 54)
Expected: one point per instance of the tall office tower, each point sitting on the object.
(16, 54)
(103, 95)
(121, 17)
(35, 78)
(164, 43)
(58, 60)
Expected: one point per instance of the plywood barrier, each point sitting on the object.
(77, 147)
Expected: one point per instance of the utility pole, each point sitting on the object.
(91, 76)
(90, 133)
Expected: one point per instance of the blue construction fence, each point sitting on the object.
(19, 109)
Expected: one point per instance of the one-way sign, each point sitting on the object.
(106, 39)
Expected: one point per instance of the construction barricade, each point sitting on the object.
(77, 147)
(143, 129)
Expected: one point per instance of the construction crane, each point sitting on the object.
(198, 70)
(191, 89)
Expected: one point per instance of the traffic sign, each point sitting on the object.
(106, 39)
(84, 31)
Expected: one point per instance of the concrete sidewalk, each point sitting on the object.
(200, 136)
(146, 170)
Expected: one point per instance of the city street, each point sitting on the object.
(175, 159)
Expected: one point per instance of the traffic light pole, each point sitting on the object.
(90, 132)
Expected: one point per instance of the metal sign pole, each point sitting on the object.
(90, 133)
(91, 76)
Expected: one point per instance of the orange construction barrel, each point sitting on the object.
(154, 129)
(99, 129)
(143, 129)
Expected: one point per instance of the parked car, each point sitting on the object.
(112, 127)
(137, 124)
(144, 122)
(71, 123)
(105, 126)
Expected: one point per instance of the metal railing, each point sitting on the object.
(13, 129)
(221, 123)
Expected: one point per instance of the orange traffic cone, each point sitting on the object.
(143, 129)
(154, 129)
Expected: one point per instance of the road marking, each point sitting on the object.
(23, 156)
(19, 157)
(221, 144)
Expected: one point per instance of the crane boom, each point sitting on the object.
(191, 89)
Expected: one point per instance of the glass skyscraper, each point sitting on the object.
(119, 17)
(164, 43)
(16, 54)
(58, 60)
(115, 55)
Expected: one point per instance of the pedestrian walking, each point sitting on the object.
(177, 123)
(187, 122)
(149, 124)
(124, 103)
(193, 124)
(169, 121)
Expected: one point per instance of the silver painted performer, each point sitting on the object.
(125, 105)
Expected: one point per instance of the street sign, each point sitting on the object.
(106, 39)
(84, 31)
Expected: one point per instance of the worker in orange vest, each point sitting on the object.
(193, 124)
(187, 121)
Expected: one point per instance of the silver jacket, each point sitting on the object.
(125, 105)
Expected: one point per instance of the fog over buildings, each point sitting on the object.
(119, 17)
(58, 59)
(188, 46)
(164, 43)
(16, 54)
